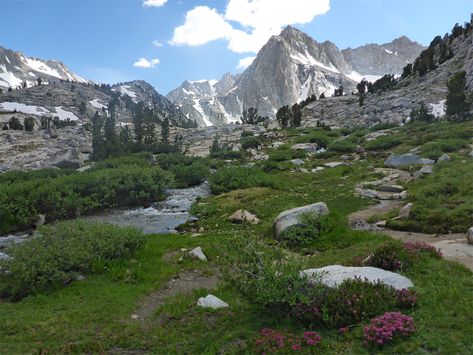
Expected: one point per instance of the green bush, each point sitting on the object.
(285, 154)
(342, 146)
(311, 228)
(228, 155)
(233, 178)
(61, 253)
(384, 143)
(190, 175)
(434, 150)
(67, 196)
(250, 142)
(319, 137)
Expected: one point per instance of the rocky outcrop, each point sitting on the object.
(290, 218)
(396, 161)
(210, 301)
(242, 216)
(334, 275)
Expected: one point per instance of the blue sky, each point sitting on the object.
(106, 40)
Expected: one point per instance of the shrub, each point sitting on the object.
(385, 329)
(351, 302)
(414, 249)
(285, 154)
(383, 143)
(311, 228)
(319, 137)
(342, 146)
(390, 256)
(433, 150)
(272, 341)
(61, 253)
(250, 142)
(190, 175)
(66, 196)
(406, 298)
(233, 178)
(228, 155)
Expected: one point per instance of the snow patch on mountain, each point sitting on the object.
(125, 90)
(438, 109)
(19, 107)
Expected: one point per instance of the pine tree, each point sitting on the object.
(458, 105)
(165, 131)
(283, 116)
(28, 122)
(138, 122)
(97, 137)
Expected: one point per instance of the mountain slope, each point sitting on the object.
(16, 68)
(288, 69)
(395, 104)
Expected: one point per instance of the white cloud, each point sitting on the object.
(157, 43)
(245, 62)
(145, 63)
(154, 3)
(202, 25)
(260, 19)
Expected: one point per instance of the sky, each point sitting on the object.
(166, 42)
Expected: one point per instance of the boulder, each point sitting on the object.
(290, 218)
(68, 159)
(396, 161)
(241, 216)
(4, 256)
(198, 254)
(469, 236)
(84, 168)
(444, 157)
(334, 275)
(297, 161)
(428, 169)
(306, 147)
(405, 211)
(317, 169)
(40, 220)
(210, 301)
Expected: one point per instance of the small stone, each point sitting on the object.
(241, 216)
(390, 188)
(80, 278)
(444, 157)
(201, 230)
(40, 220)
(405, 211)
(334, 164)
(210, 301)
(297, 162)
(135, 317)
(317, 169)
(428, 169)
(4, 256)
(198, 253)
(469, 236)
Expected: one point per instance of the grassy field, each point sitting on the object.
(95, 315)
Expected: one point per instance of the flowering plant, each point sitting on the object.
(383, 330)
(273, 341)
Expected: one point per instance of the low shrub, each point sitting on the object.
(350, 303)
(280, 155)
(342, 146)
(75, 194)
(233, 178)
(384, 143)
(311, 228)
(406, 298)
(433, 150)
(62, 252)
(319, 137)
(387, 328)
(250, 142)
(273, 341)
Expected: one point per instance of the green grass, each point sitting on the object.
(94, 315)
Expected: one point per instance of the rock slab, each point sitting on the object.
(210, 301)
(396, 161)
(241, 216)
(334, 275)
(290, 218)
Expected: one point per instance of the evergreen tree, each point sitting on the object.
(407, 71)
(296, 116)
(216, 146)
(39, 81)
(458, 105)
(126, 139)
(338, 92)
(82, 108)
(251, 116)
(28, 122)
(422, 114)
(97, 137)
(139, 122)
(283, 116)
(322, 96)
(165, 131)
(14, 123)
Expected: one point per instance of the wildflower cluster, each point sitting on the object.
(422, 247)
(406, 298)
(383, 330)
(273, 341)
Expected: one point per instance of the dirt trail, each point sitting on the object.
(184, 283)
(453, 246)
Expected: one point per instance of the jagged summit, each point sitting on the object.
(290, 67)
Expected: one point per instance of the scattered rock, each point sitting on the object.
(334, 275)
(334, 164)
(297, 161)
(84, 168)
(396, 161)
(290, 218)
(317, 169)
(444, 157)
(210, 301)
(390, 188)
(310, 148)
(4, 256)
(428, 169)
(405, 211)
(469, 236)
(40, 220)
(403, 195)
(241, 216)
(80, 278)
(12, 239)
(198, 253)
(135, 317)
